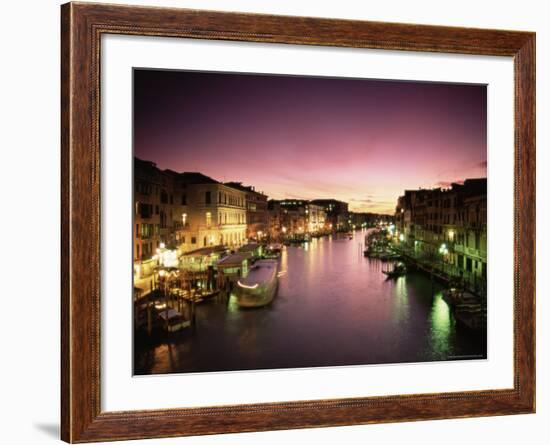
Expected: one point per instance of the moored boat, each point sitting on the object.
(172, 320)
(258, 288)
(273, 250)
(398, 270)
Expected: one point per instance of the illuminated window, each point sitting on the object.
(184, 219)
(208, 219)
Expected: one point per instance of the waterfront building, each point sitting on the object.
(256, 211)
(213, 213)
(274, 221)
(368, 219)
(156, 215)
(316, 217)
(295, 217)
(176, 213)
(447, 228)
(337, 213)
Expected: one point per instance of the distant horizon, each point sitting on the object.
(266, 193)
(359, 141)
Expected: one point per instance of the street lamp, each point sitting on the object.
(444, 251)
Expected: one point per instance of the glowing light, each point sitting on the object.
(401, 237)
(162, 245)
(169, 258)
(247, 286)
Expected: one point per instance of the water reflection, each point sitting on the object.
(333, 307)
(440, 331)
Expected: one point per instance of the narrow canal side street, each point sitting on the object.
(332, 306)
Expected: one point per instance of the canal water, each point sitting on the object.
(333, 307)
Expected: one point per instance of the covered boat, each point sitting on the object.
(259, 286)
(172, 320)
(398, 270)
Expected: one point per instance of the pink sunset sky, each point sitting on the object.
(355, 140)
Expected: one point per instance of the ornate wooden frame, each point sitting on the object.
(82, 26)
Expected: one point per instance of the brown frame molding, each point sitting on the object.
(82, 25)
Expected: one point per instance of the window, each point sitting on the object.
(184, 199)
(145, 210)
(193, 240)
(184, 219)
(208, 219)
(163, 197)
(146, 231)
(208, 197)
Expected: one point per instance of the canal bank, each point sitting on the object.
(333, 307)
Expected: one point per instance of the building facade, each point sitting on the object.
(180, 212)
(295, 217)
(448, 228)
(157, 215)
(213, 213)
(256, 211)
(336, 213)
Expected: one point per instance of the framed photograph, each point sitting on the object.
(274, 222)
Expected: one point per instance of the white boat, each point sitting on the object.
(259, 286)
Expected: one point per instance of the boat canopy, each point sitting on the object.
(235, 259)
(169, 314)
(205, 251)
(260, 273)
